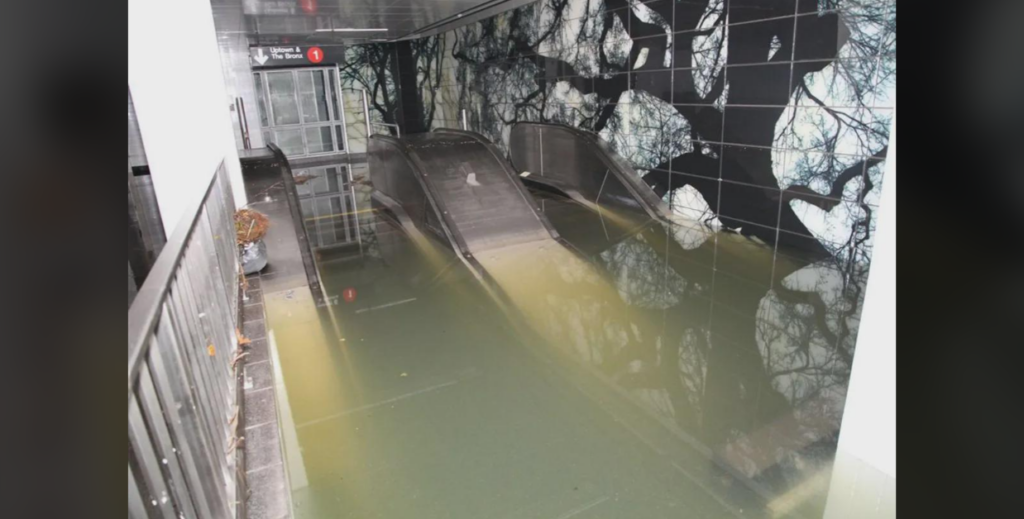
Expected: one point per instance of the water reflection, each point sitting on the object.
(744, 350)
(328, 199)
(709, 371)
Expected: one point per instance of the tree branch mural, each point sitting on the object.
(766, 117)
(371, 67)
(607, 66)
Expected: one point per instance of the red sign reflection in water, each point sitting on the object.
(349, 294)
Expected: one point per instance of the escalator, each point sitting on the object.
(578, 165)
(609, 273)
(456, 187)
(572, 194)
(585, 310)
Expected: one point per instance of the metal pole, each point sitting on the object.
(305, 245)
(341, 108)
(465, 121)
(366, 114)
(241, 122)
(245, 120)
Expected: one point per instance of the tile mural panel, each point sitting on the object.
(373, 68)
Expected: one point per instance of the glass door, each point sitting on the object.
(300, 111)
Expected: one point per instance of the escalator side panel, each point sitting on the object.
(558, 156)
(392, 175)
(571, 159)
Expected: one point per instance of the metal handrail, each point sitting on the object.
(295, 209)
(370, 124)
(182, 399)
(618, 167)
(144, 312)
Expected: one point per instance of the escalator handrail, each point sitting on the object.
(654, 206)
(309, 264)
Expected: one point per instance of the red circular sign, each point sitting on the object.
(315, 55)
(349, 294)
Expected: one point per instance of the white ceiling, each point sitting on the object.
(318, 21)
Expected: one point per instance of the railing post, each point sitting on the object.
(181, 341)
(369, 123)
(366, 115)
(240, 111)
(341, 108)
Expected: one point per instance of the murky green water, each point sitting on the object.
(659, 373)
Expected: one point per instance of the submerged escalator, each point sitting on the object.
(580, 166)
(456, 187)
(607, 279)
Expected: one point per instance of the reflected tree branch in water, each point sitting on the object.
(814, 300)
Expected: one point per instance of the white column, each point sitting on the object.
(864, 479)
(233, 41)
(184, 113)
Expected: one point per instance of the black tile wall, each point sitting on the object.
(751, 126)
(751, 10)
(689, 13)
(761, 42)
(741, 89)
(658, 83)
(748, 204)
(659, 51)
(820, 37)
(685, 89)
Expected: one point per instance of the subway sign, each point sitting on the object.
(295, 56)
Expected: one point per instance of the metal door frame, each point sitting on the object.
(349, 207)
(337, 116)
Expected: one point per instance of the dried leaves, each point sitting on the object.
(250, 226)
(243, 341)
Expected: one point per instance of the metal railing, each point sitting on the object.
(301, 234)
(369, 122)
(182, 343)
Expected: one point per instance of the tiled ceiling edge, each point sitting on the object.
(466, 17)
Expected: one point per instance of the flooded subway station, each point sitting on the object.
(607, 364)
(552, 259)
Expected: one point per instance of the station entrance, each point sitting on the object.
(301, 110)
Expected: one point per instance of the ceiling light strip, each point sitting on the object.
(351, 30)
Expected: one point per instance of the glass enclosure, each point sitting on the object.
(299, 111)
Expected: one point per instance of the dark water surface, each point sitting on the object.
(653, 372)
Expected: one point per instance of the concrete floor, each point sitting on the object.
(269, 496)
